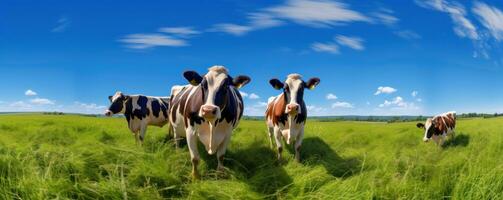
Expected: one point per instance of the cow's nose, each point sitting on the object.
(208, 111)
(291, 108)
(108, 113)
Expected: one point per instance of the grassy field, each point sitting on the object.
(75, 157)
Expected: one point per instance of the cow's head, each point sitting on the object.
(429, 128)
(118, 101)
(293, 89)
(215, 88)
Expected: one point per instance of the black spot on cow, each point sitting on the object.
(156, 107)
(129, 110)
(164, 107)
(143, 111)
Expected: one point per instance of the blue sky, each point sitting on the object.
(373, 57)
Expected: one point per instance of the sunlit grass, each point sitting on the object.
(75, 157)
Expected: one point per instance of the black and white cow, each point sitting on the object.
(286, 113)
(140, 111)
(439, 127)
(209, 108)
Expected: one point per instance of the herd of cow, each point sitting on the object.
(210, 107)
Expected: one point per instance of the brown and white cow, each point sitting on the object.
(140, 111)
(286, 113)
(209, 108)
(439, 127)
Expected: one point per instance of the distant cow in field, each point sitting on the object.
(439, 127)
(140, 111)
(286, 113)
(209, 108)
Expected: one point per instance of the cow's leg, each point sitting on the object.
(277, 137)
(271, 133)
(176, 137)
(143, 129)
(194, 153)
(442, 140)
(136, 136)
(221, 151)
(298, 144)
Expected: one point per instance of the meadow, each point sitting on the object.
(77, 157)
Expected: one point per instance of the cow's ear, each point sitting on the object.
(312, 83)
(276, 84)
(110, 98)
(240, 81)
(193, 77)
(420, 125)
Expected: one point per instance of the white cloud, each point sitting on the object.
(325, 47)
(243, 94)
(342, 104)
(144, 41)
(351, 42)
(316, 13)
(257, 21)
(491, 18)
(20, 105)
(385, 90)
(233, 29)
(30, 93)
(183, 31)
(397, 101)
(463, 27)
(331, 96)
(89, 106)
(414, 93)
(315, 109)
(385, 17)
(254, 96)
(407, 34)
(419, 99)
(62, 24)
(41, 101)
(257, 109)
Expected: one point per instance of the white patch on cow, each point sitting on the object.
(215, 78)
(427, 127)
(294, 82)
(116, 95)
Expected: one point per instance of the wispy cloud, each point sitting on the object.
(331, 96)
(351, 42)
(318, 13)
(314, 13)
(463, 27)
(144, 41)
(407, 34)
(491, 18)
(342, 104)
(41, 101)
(325, 47)
(414, 93)
(385, 16)
(62, 25)
(254, 96)
(385, 90)
(182, 31)
(30, 92)
(256, 21)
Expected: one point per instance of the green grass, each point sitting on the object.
(75, 157)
